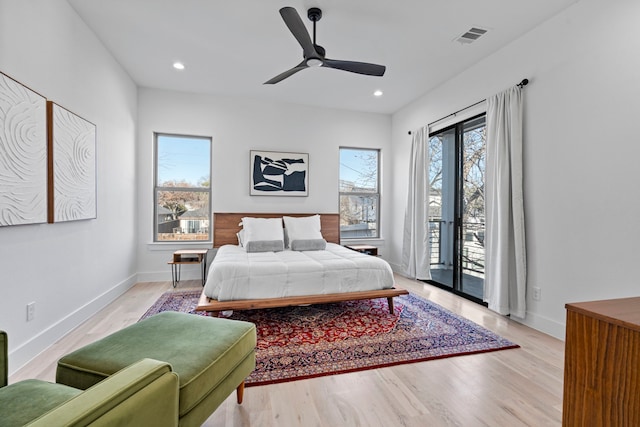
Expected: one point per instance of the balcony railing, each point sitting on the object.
(435, 241)
(472, 245)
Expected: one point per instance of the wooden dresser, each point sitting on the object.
(602, 364)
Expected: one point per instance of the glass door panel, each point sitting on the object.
(442, 206)
(472, 203)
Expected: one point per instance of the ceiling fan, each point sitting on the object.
(313, 54)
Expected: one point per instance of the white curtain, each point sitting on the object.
(506, 267)
(415, 243)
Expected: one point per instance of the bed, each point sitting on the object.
(240, 279)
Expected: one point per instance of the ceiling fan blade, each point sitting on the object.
(356, 67)
(288, 73)
(299, 31)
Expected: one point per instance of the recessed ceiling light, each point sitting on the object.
(377, 93)
(178, 65)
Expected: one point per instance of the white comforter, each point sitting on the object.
(235, 274)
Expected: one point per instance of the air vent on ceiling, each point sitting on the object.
(471, 35)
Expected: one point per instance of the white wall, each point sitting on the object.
(582, 197)
(70, 270)
(237, 126)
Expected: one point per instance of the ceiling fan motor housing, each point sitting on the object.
(314, 14)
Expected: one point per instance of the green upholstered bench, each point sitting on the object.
(211, 356)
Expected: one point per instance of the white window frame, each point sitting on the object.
(367, 194)
(157, 189)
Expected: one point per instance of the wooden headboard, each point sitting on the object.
(225, 226)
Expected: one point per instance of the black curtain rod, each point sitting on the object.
(522, 84)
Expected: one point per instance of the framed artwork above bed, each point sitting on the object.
(276, 173)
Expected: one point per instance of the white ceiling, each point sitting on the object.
(232, 47)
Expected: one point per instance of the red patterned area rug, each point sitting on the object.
(310, 341)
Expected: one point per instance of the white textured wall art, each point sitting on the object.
(72, 166)
(23, 154)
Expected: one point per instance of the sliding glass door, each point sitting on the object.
(456, 207)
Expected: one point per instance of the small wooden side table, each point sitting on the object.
(188, 256)
(365, 249)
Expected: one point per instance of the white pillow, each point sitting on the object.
(261, 229)
(240, 235)
(302, 228)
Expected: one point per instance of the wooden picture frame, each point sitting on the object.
(23, 154)
(72, 166)
(275, 173)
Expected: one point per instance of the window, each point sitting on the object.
(182, 195)
(359, 193)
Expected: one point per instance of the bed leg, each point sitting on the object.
(390, 301)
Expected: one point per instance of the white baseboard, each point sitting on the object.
(192, 272)
(396, 268)
(23, 354)
(544, 324)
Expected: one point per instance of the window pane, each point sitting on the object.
(183, 188)
(358, 170)
(358, 216)
(183, 161)
(473, 213)
(436, 223)
(182, 215)
(359, 193)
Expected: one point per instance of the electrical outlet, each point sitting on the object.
(536, 293)
(31, 311)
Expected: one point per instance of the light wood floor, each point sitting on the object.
(519, 387)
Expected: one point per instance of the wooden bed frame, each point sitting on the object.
(225, 227)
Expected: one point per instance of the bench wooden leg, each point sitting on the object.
(390, 302)
(240, 392)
